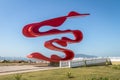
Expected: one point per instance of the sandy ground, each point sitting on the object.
(4, 70)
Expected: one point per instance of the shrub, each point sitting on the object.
(18, 76)
(54, 64)
(69, 75)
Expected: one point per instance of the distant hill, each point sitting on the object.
(84, 56)
(14, 58)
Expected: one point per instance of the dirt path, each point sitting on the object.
(4, 70)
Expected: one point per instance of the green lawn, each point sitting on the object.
(81, 73)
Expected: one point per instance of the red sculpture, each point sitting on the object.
(32, 30)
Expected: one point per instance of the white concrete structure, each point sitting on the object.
(85, 62)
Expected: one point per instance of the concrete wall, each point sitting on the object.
(85, 62)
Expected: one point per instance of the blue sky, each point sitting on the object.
(101, 29)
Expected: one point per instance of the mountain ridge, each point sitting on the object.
(84, 56)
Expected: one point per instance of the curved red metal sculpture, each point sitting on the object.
(32, 30)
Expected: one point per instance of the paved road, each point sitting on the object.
(4, 70)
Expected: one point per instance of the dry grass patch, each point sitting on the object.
(116, 62)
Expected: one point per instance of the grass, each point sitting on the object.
(81, 73)
(117, 67)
